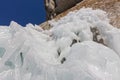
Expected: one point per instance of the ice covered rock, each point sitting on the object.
(91, 61)
(68, 51)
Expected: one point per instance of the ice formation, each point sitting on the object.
(81, 46)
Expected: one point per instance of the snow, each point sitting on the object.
(80, 46)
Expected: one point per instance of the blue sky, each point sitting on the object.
(22, 11)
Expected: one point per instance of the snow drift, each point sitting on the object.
(80, 46)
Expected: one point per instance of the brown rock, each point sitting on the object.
(112, 7)
(45, 25)
(63, 5)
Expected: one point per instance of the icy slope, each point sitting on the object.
(80, 46)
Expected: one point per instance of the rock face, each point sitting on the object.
(55, 7)
(50, 8)
(63, 5)
(112, 7)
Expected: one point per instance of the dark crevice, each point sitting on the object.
(63, 60)
(21, 57)
(73, 42)
(59, 52)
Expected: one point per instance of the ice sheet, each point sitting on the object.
(80, 46)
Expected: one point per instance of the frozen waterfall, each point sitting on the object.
(80, 46)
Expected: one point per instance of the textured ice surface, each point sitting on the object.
(80, 46)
